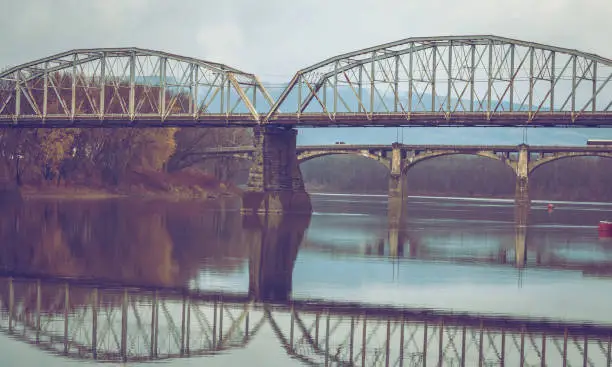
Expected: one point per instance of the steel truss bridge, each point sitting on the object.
(478, 80)
(88, 321)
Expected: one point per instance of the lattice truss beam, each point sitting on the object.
(326, 339)
(445, 78)
(129, 84)
(114, 325)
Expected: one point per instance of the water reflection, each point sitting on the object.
(164, 280)
(83, 320)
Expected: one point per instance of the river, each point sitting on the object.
(462, 281)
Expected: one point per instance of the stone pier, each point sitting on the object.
(275, 182)
(397, 188)
(521, 196)
(273, 243)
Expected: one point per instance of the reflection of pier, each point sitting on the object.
(108, 323)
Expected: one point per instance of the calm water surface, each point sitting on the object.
(458, 281)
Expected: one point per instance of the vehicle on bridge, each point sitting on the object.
(339, 142)
(599, 142)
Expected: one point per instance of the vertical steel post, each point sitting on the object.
(196, 91)
(512, 76)
(450, 78)
(102, 85)
(594, 109)
(522, 361)
(317, 316)
(553, 77)
(503, 348)
(214, 332)
(299, 97)
(188, 328)
(94, 324)
(441, 345)
(38, 307)
(162, 88)
(220, 322)
(154, 325)
(425, 344)
(531, 81)
(490, 80)
(372, 84)
(463, 334)
(573, 96)
(410, 78)
(291, 331)
(183, 319)
(352, 339)
(481, 346)
(543, 356)
(472, 77)
(45, 91)
(73, 94)
(17, 94)
(434, 66)
(388, 342)
(229, 96)
(335, 89)
(132, 101)
(124, 317)
(585, 356)
(401, 350)
(396, 84)
(192, 100)
(609, 354)
(565, 348)
(360, 90)
(66, 311)
(327, 340)
(11, 304)
(364, 340)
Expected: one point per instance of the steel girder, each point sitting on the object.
(453, 80)
(128, 86)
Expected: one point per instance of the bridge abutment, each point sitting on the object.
(275, 182)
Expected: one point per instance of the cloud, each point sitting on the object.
(274, 38)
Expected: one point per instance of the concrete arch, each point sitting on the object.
(308, 155)
(413, 161)
(539, 163)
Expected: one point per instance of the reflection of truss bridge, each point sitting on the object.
(84, 321)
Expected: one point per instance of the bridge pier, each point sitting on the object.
(397, 188)
(273, 244)
(521, 218)
(275, 182)
(521, 196)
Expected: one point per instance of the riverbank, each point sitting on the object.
(183, 185)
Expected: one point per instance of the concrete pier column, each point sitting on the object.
(397, 187)
(521, 196)
(275, 182)
(273, 243)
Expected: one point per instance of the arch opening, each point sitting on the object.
(457, 174)
(584, 177)
(345, 173)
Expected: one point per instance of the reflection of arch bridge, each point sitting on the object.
(87, 321)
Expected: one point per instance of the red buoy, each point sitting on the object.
(605, 228)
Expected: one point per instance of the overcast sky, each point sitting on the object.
(274, 38)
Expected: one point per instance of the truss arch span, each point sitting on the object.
(457, 80)
(128, 85)
(309, 155)
(557, 156)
